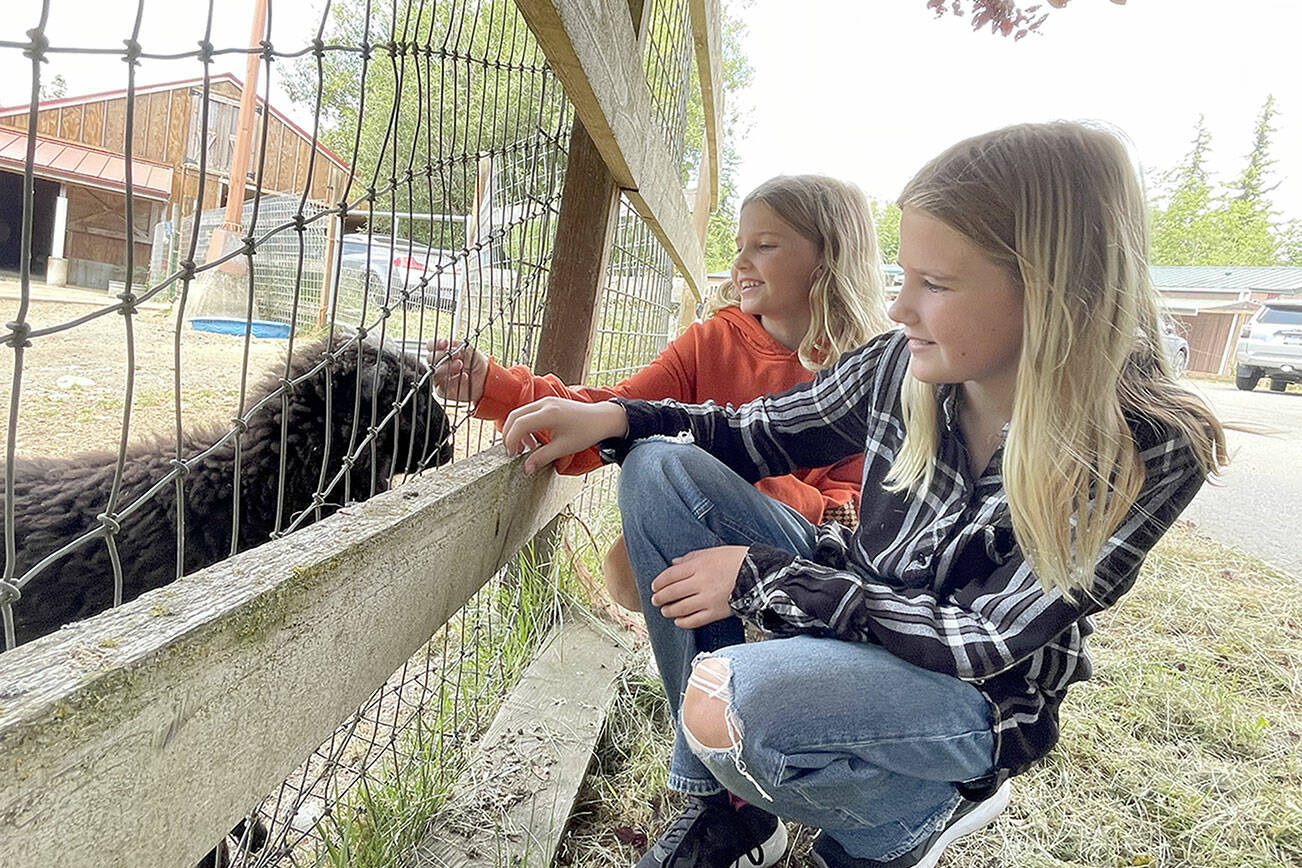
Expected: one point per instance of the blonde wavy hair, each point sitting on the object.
(1060, 207)
(847, 299)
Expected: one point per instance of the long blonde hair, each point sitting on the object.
(847, 299)
(1060, 207)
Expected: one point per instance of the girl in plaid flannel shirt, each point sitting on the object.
(1025, 446)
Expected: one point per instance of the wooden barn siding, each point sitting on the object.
(92, 125)
(70, 123)
(47, 123)
(178, 127)
(97, 222)
(284, 168)
(161, 128)
(1206, 334)
(320, 178)
(115, 124)
(226, 89)
(300, 164)
(156, 131)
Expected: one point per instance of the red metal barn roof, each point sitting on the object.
(64, 161)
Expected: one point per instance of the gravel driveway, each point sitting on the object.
(1257, 506)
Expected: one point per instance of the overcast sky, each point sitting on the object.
(864, 89)
(871, 90)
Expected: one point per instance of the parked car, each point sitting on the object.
(1270, 345)
(1176, 348)
(398, 263)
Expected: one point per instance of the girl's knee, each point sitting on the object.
(650, 473)
(707, 717)
(647, 459)
(621, 584)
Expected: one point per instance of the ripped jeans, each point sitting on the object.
(840, 736)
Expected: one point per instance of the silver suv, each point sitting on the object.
(1271, 346)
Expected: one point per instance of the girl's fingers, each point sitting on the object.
(684, 608)
(675, 572)
(520, 424)
(543, 456)
(566, 426)
(694, 620)
(677, 588)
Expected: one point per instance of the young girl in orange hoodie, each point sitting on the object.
(806, 286)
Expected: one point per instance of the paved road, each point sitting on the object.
(1258, 505)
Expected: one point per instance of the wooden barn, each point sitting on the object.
(79, 214)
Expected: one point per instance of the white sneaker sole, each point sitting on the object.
(983, 815)
(770, 851)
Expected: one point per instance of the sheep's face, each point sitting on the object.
(422, 436)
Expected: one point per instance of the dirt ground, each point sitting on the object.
(74, 381)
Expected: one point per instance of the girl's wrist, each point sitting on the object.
(615, 422)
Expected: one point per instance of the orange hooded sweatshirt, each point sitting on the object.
(728, 359)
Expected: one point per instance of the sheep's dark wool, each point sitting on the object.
(58, 500)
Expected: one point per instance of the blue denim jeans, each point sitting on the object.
(840, 736)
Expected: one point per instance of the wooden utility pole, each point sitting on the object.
(226, 237)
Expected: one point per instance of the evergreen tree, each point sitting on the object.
(1185, 232)
(1196, 225)
(1290, 246)
(1246, 219)
(56, 88)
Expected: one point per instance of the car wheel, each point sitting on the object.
(1179, 364)
(1246, 378)
(1278, 384)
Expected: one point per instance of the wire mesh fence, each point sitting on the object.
(271, 366)
(667, 60)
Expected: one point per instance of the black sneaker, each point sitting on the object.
(711, 833)
(967, 817)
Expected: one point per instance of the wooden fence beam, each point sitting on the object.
(140, 736)
(592, 48)
(708, 39)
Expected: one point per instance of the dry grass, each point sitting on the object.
(74, 380)
(1184, 751)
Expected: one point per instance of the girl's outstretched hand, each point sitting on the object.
(552, 428)
(695, 589)
(459, 370)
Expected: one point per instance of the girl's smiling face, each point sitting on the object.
(774, 269)
(960, 310)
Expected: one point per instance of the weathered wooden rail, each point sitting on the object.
(140, 736)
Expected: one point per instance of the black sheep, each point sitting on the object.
(58, 500)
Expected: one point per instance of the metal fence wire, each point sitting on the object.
(416, 199)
